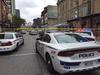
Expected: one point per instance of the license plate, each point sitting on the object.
(90, 63)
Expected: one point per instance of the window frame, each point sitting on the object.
(83, 10)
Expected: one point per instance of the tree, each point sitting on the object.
(17, 21)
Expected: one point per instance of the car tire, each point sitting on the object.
(16, 49)
(23, 42)
(49, 64)
(36, 49)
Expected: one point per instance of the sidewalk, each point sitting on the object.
(98, 39)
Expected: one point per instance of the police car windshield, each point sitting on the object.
(6, 36)
(70, 38)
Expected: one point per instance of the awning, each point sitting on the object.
(61, 24)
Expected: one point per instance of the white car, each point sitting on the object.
(33, 32)
(68, 53)
(10, 41)
(86, 34)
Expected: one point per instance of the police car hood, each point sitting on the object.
(79, 45)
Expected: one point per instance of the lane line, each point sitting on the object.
(21, 54)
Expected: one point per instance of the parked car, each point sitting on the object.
(10, 41)
(68, 53)
(88, 34)
(33, 32)
(23, 32)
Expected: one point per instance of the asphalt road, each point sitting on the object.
(27, 62)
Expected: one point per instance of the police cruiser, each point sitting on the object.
(10, 41)
(88, 34)
(68, 53)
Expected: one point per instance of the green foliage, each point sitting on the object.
(17, 21)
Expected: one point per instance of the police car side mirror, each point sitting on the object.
(37, 38)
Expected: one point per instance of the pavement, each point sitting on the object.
(98, 40)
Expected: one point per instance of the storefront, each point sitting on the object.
(87, 22)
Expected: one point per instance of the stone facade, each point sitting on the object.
(88, 14)
(49, 16)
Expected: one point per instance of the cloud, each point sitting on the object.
(30, 9)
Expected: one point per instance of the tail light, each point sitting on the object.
(65, 53)
(90, 39)
(71, 53)
(6, 44)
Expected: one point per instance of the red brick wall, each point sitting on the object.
(88, 25)
(4, 12)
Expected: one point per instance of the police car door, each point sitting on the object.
(43, 42)
(18, 39)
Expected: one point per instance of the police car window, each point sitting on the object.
(46, 38)
(6, 36)
(43, 38)
(70, 38)
(16, 35)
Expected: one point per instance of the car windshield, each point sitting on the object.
(70, 38)
(6, 36)
(84, 33)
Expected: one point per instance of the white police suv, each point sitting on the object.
(10, 41)
(68, 53)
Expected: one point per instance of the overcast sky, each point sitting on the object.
(30, 9)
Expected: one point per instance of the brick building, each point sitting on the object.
(3, 13)
(87, 13)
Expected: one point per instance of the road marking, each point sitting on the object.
(21, 54)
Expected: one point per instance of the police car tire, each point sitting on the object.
(16, 49)
(49, 64)
(23, 42)
(36, 49)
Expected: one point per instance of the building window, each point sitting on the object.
(76, 13)
(84, 10)
(71, 15)
(63, 17)
(71, 3)
(63, 7)
(98, 26)
(58, 10)
(66, 16)
(66, 5)
(4, 8)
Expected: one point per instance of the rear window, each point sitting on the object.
(6, 36)
(84, 33)
(33, 31)
(70, 38)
